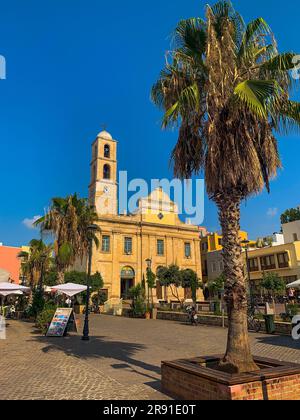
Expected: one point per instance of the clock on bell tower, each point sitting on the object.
(103, 186)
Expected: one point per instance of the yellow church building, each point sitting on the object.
(154, 232)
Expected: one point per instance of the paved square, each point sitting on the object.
(122, 360)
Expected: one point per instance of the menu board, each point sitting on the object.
(59, 323)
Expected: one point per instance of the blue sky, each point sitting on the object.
(73, 65)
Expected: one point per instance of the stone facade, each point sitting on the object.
(126, 241)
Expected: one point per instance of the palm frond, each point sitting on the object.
(223, 10)
(281, 62)
(190, 36)
(257, 28)
(258, 95)
(288, 118)
(188, 99)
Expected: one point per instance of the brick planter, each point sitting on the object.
(197, 379)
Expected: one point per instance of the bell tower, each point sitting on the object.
(103, 186)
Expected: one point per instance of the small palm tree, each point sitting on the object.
(38, 260)
(228, 88)
(68, 219)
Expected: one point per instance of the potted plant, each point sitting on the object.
(148, 312)
(138, 307)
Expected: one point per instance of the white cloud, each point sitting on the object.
(272, 212)
(29, 222)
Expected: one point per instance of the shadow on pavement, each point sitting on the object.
(279, 341)
(99, 348)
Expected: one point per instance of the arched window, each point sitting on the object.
(127, 273)
(106, 172)
(107, 151)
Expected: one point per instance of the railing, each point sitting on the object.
(283, 265)
(268, 267)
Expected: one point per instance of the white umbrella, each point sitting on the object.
(11, 292)
(9, 287)
(295, 284)
(69, 289)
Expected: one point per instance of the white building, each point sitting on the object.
(291, 232)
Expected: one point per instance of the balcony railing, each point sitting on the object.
(268, 267)
(283, 265)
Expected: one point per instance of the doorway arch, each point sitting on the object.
(127, 281)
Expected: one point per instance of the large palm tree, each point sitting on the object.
(228, 89)
(68, 219)
(36, 261)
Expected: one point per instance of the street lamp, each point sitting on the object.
(149, 264)
(91, 230)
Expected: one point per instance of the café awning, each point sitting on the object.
(6, 287)
(294, 285)
(11, 292)
(69, 289)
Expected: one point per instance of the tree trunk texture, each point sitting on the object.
(238, 357)
(60, 277)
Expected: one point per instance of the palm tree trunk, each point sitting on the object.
(60, 277)
(238, 356)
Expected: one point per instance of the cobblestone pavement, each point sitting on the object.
(121, 361)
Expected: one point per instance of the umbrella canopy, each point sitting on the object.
(12, 287)
(295, 284)
(69, 289)
(11, 292)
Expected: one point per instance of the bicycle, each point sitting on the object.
(254, 323)
(192, 318)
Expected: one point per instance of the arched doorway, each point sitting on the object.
(127, 281)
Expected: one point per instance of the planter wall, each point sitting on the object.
(284, 328)
(193, 380)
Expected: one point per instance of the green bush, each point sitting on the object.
(50, 305)
(285, 317)
(44, 318)
(100, 297)
(217, 308)
(21, 303)
(138, 305)
(38, 303)
(50, 278)
(292, 310)
(139, 308)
